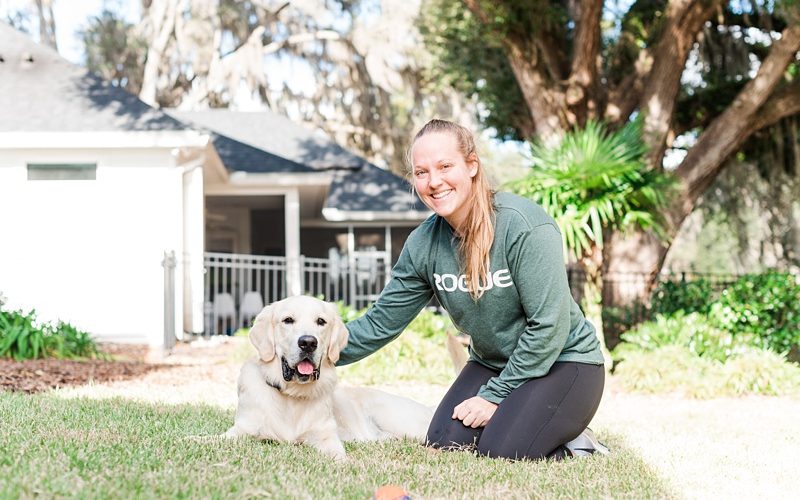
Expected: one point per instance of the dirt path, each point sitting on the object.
(720, 448)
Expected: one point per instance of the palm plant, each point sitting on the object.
(593, 182)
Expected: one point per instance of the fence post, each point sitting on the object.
(168, 264)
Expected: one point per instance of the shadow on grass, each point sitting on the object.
(120, 448)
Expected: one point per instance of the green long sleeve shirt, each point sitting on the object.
(526, 319)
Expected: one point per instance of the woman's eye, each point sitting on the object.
(288, 320)
(321, 322)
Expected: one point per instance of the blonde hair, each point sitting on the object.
(477, 233)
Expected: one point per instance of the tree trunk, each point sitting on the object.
(592, 265)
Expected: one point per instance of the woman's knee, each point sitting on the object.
(451, 434)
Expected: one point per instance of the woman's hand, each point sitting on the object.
(474, 412)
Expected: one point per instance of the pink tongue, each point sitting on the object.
(305, 367)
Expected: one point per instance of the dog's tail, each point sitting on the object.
(457, 351)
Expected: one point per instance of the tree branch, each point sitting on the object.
(750, 111)
(299, 38)
(783, 103)
(623, 99)
(684, 20)
(586, 47)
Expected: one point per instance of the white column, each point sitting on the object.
(292, 223)
(193, 246)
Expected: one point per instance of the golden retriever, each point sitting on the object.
(289, 392)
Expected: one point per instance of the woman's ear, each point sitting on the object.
(262, 334)
(473, 164)
(338, 340)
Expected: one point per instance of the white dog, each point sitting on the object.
(289, 393)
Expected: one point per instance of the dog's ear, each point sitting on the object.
(338, 340)
(262, 334)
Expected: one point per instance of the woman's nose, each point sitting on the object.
(434, 179)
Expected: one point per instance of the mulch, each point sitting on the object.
(31, 376)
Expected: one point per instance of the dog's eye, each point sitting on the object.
(321, 322)
(288, 320)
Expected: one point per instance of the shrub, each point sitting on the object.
(693, 332)
(674, 368)
(427, 324)
(419, 354)
(22, 337)
(687, 296)
(766, 305)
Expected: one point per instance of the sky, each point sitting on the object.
(70, 16)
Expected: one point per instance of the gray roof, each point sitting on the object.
(274, 134)
(264, 141)
(372, 189)
(42, 92)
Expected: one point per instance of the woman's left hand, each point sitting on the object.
(474, 412)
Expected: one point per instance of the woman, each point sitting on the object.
(495, 263)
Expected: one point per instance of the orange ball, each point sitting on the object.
(391, 492)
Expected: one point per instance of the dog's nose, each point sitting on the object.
(307, 343)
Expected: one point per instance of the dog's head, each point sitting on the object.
(302, 333)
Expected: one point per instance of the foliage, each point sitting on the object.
(346, 312)
(595, 180)
(674, 368)
(693, 332)
(418, 354)
(476, 65)
(428, 324)
(767, 305)
(23, 337)
(685, 295)
(114, 50)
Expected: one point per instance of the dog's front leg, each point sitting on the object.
(328, 443)
(231, 433)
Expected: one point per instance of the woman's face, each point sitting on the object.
(442, 177)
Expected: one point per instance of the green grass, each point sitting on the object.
(117, 448)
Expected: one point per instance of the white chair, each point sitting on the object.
(224, 311)
(251, 305)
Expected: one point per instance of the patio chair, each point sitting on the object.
(251, 305)
(224, 311)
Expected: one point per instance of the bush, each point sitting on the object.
(687, 296)
(693, 332)
(22, 337)
(427, 324)
(419, 354)
(674, 368)
(766, 305)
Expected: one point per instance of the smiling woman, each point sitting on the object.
(494, 261)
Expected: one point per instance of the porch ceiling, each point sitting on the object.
(312, 199)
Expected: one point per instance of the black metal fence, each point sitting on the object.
(627, 296)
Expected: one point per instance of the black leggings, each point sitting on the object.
(532, 422)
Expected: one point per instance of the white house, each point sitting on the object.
(97, 189)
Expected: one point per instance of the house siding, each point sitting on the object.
(90, 252)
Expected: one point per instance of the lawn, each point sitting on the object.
(52, 446)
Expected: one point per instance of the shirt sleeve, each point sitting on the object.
(399, 303)
(536, 260)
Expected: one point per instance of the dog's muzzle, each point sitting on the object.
(290, 373)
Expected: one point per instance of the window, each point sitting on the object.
(62, 171)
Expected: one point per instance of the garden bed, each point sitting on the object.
(37, 375)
